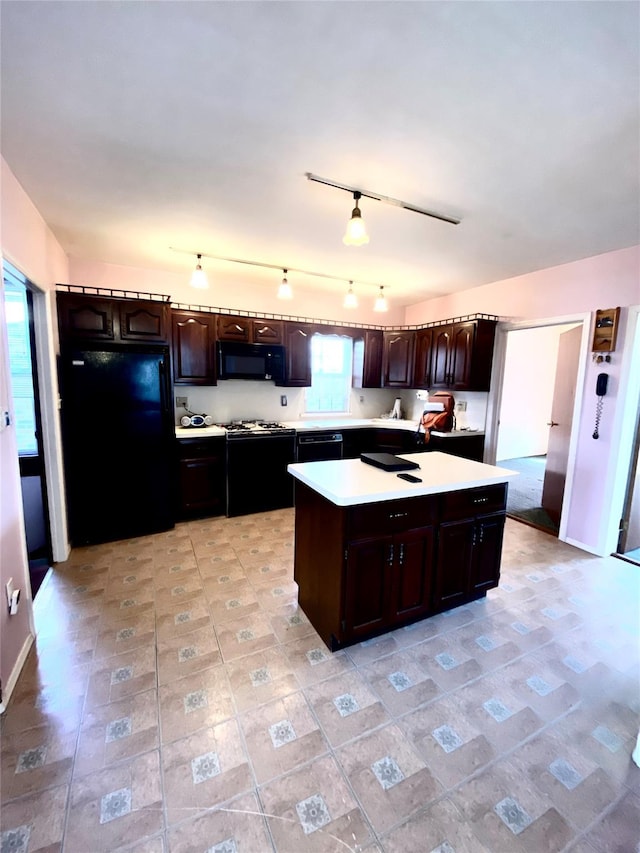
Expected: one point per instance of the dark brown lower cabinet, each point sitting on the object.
(201, 477)
(366, 569)
(387, 581)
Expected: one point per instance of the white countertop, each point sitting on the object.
(328, 425)
(199, 432)
(349, 482)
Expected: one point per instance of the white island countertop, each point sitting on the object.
(350, 482)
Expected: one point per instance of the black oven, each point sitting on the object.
(257, 476)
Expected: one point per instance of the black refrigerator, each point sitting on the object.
(118, 441)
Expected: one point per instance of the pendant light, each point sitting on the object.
(284, 291)
(381, 301)
(356, 233)
(199, 276)
(350, 299)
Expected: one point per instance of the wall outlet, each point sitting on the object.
(461, 406)
(362, 398)
(283, 399)
(182, 402)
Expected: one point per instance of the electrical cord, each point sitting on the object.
(596, 432)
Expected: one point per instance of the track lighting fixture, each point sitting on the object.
(381, 301)
(356, 233)
(350, 299)
(199, 276)
(284, 291)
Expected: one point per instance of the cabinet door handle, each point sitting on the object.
(480, 500)
(391, 555)
(398, 514)
(401, 555)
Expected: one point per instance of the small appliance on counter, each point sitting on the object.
(193, 420)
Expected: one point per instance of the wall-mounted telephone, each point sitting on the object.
(601, 390)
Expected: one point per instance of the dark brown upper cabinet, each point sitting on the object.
(193, 348)
(424, 346)
(462, 355)
(367, 359)
(398, 359)
(250, 330)
(297, 341)
(94, 318)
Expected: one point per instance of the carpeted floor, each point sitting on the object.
(525, 492)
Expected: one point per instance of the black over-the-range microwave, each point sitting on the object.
(238, 360)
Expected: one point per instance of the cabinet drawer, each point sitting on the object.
(391, 516)
(470, 502)
(189, 448)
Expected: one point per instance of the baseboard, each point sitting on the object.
(15, 672)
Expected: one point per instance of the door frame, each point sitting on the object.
(494, 400)
(625, 424)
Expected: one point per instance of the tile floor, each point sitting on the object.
(177, 701)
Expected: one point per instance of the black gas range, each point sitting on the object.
(255, 429)
(258, 453)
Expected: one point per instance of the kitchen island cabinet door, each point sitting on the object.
(412, 572)
(453, 566)
(368, 581)
(193, 347)
(485, 568)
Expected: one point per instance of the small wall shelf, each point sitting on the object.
(606, 330)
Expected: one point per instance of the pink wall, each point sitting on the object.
(237, 287)
(29, 244)
(599, 282)
(604, 281)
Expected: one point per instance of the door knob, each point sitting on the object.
(552, 423)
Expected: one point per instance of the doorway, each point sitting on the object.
(28, 423)
(535, 419)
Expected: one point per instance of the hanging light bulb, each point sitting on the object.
(284, 291)
(356, 233)
(381, 301)
(350, 299)
(199, 276)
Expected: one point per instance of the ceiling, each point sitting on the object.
(139, 126)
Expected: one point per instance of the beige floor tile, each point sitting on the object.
(555, 645)
(187, 654)
(390, 780)
(312, 661)
(119, 805)
(240, 825)
(35, 822)
(240, 637)
(36, 759)
(400, 682)
(439, 827)
(260, 678)
(204, 770)
(117, 732)
(122, 675)
(281, 736)
(195, 702)
(232, 601)
(346, 707)
(312, 810)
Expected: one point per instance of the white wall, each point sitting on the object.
(527, 391)
(30, 246)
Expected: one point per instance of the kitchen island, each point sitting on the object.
(374, 552)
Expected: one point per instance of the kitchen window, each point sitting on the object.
(331, 370)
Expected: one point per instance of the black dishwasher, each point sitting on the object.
(319, 446)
